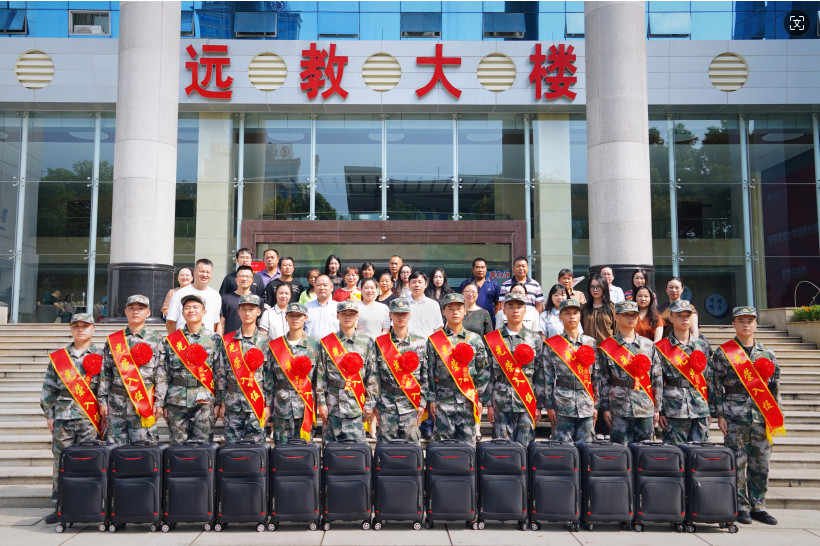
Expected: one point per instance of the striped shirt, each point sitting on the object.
(534, 292)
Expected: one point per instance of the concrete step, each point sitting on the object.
(801, 405)
(26, 457)
(25, 475)
(21, 383)
(787, 461)
(38, 376)
(19, 392)
(20, 403)
(793, 498)
(25, 496)
(786, 477)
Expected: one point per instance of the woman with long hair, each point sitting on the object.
(310, 293)
(674, 290)
(402, 287)
(367, 271)
(273, 319)
(438, 287)
(332, 267)
(566, 277)
(639, 278)
(598, 315)
(650, 324)
(550, 320)
(386, 294)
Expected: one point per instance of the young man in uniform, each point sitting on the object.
(631, 413)
(748, 423)
(346, 398)
(687, 392)
(243, 391)
(516, 388)
(190, 408)
(455, 401)
(67, 388)
(403, 392)
(571, 394)
(293, 407)
(131, 414)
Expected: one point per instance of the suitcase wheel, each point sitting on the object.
(733, 528)
(59, 529)
(313, 526)
(377, 526)
(206, 527)
(68, 525)
(260, 528)
(326, 526)
(625, 526)
(271, 526)
(165, 527)
(416, 525)
(112, 528)
(153, 528)
(366, 525)
(679, 527)
(691, 528)
(218, 527)
(590, 526)
(638, 527)
(576, 527)
(522, 525)
(101, 528)
(534, 525)
(430, 524)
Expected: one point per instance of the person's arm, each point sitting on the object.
(170, 326)
(167, 303)
(269, 296)
(174, 312)
(695, 329)
(226, 286)
(658, 333)
(488, 324)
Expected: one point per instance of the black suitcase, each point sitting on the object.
(242, 484)
(82, 485)
(450, 480)
(660, 484)
(606, 483)
(502, 482)
(294, 483)
(346, 479)
(190, 483)
(398, 490)
(711, 486)
(555, 484)
(135, 488)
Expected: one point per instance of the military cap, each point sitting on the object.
(569, 304)
(680, 306)
(193, 297)
(249, 298)
(451, 298)
(137, 298)
(296, 308)
(628, 306)
(515, 296)
(399, 305)
(347, 305)
(744, 311)
(81, 317)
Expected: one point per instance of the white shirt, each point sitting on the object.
(530, 321)
(321, 319)
(616, 294)
(425, 317)
(213, 306)
(551, 324)
(373, 318)
(273, 320)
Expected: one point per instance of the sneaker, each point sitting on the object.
(744, 518)
(52, 518)
(599, 436)
(606, 436)
(427, 435)
(764, 517)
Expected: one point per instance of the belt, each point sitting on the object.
(233, 387)
(387, 387)
(627, 383)
(576, 385)
(118, 391)
(447, 383)
(735, 390)
(183, 382)
(681, 383)
(335, 384)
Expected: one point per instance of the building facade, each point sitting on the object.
(439, 131)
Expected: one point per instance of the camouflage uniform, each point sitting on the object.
(71, 424)
(239, 419)
(343, 413)
(188, 419)
(746, 435)
(511, 420)
(124, 423)
(288, 409)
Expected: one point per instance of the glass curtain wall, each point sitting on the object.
(10, 149)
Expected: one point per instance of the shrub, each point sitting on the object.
(806, 313)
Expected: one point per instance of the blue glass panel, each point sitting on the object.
(753, 25)
(464, 7)
(461, 26)
(186, 21)
(48, 23)
(420, 6)
(290, 25)
(103, 6)
(13, 20)
(338, 24)
(668, 6)
(115, 24)
(115, 6)
(254, 22)
(553, 7)
(309, 26)
(215, 21)
(421, 22)
(712, 26)
(493, 7)
(380, 26)
(47, 5)
(575, 7)
(754, 6)
(575, 25)
(379, 7)
(13, 5)
(504, 22)
(339, 6)
(670, 24)
(551, 26)
(711, 6)
(187, 5)
(302, 6)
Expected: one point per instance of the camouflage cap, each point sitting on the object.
(680, 306)
(399, 305)
(193, 297)
(347, 305)
(452, 298)
(296, 308)
(569, 304)
(81, 317)
(253, 299)
(515, 296)
(744, 311)
(137, 298)
(628, 306)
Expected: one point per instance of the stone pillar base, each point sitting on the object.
(126, 279)
(623, 274)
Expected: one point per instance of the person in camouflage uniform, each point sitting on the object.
(124, 423)
(506, 411)
(451, 411)
(572, 412)
(629, 412)
(685, 413)
(342, 418)
(742, 423)
(398, 417)
(287, 408)
(67, 422)
(237, 414)
(190, 408)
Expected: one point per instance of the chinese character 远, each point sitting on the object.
(213, 68)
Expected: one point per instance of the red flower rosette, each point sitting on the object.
(301, 366)
(409, 362)
(639, 365)
(195, 355)
(585, 355)
(351, 363)
(92, 364)
(764, 367)
(463, 353)
(523, 355)
(698, 361)
(254, 359)
(142, 354)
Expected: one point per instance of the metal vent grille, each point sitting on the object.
(496, 72)
(267, 71)
(728, 72)
(34, 69)
(381, 72)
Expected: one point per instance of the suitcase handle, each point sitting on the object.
(93, 443)
(246, 442)
(399, 441)
(143, 443)
(299, 441)
(548, 442)
(650, 443)
(602, 442)
(348, 441)
(500, 441)
(704, 444)
(193, 443)
(449, 441)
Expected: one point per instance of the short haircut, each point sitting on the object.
(190, 270)
(243, 250)
(416, 274)
(312, 270)
(607, 267)
(521, 259)
(245, 268)
(670, 279)
(285, 259)
(270, 250)
(204, 261)
(395, 256)
(565, 272)
(352, 268)
(370, 279)
(328, 279)
(388, 273)
(479, 260)
(280, 285)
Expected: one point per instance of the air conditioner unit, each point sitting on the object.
(88, 29)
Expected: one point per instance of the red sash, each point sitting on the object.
(203, 373)
(621, 356)
(461, 376)
(756, 387)
(515, 375)
(78, 387)
(353, 382)
(566, 352)
(142, 398)
(283, 355)
(245, 377)
(680, 360)
(406, 380)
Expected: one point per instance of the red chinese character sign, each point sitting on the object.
(561, 61)
(439, 61)
(315, 68)
(213, 69)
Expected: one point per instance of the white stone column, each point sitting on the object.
(145, 155)
(620, 215)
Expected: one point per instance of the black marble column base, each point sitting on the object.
(623, 274)
(126, 279)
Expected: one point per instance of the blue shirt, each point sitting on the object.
(488, 295)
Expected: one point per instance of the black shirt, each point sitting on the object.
(296, 290)
(230, 310)
(229, 285)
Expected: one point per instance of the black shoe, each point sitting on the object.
(764, 517)
(52, 518)
(427, 435)
(744, 518)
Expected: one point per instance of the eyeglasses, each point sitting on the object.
(595, 287)
(469, 293)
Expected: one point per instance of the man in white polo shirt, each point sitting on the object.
(322, 318)
(213, 301)
(425, 313)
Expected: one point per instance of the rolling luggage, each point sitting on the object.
(294, 483)
(660, 484)
(346, 479)
(451, 490)
(502, 482)
(398, 490)
(190, 483)
(711, 486)
(135, 488)
(606, 483)
(82, 486)
(555, 484)
(242, 484)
